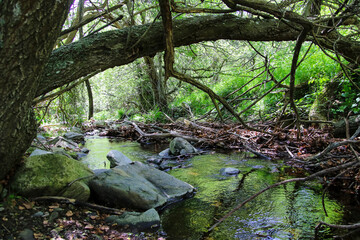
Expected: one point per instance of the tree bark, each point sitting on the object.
(28, 32)
(157, 85)
(109, 49)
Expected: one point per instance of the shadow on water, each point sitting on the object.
(287, 212)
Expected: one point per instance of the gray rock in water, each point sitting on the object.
(76, 130)
(38, 152)
(85, 150)
(80, 155)
(74, 136)
(61, 142)
(229, 171)
(117, 158)
(148, 220)
(41, 138)
(59, 150)
(138, 186)
(179, 146)
(165, 153)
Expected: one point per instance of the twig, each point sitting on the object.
(6, 228)
(289, 152)
(80, 203)
(167, 116)
(164, 135)
(329, 148)
(108, 24)
(327, 187)
(38, 100)
(73, 28)
(247, 147)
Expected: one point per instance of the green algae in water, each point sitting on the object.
(100, 147)
(286, 212)
(290, 211)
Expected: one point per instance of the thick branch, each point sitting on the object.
(108, 49)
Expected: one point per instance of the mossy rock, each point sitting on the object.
(49, 175)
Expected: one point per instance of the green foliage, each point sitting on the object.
(349, 101)
(154, 115)
(103, 115)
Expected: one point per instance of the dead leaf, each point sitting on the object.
(69, 213)
(29, 205)
(89, 226)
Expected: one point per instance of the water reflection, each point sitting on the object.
(99, 148)
(287, 212)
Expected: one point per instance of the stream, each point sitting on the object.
(287, 212)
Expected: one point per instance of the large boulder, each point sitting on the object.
(179, 146)
(138, 186)
(117, 158)
(49, 175)
(136, 221)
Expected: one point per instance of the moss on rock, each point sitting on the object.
(48, 175)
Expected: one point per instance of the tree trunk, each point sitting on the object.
(87, 82)
(158, 86)
(28, 32)
(91, 99)
(320, 108)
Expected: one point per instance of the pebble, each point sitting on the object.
(26, 234)
(38, 214)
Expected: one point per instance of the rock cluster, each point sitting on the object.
(127, 184)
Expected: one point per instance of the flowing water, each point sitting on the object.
(287, 212)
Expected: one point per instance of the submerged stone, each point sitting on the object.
(229, 171)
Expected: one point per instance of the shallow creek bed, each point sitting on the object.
(290, 211)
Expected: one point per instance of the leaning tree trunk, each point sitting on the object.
(28, 31)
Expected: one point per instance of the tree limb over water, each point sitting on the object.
(109, 49)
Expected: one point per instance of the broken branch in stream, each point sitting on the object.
(303, 179)
(164, 135)
(335, 145)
